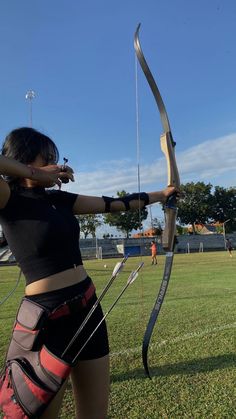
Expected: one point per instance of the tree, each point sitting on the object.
(181, 229)
(196, 204)
(89, 223)
(126, 221)
(224, 207)
(157, 226)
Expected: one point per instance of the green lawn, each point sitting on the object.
(193, 349)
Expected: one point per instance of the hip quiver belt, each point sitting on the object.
(33, 375)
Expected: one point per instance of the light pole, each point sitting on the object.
(150, 210)
(224, 230)
(30, 95)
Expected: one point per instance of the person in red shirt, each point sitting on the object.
(154, 253)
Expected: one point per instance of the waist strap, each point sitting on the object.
(74, 305)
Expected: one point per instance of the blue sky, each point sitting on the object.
(79, 59)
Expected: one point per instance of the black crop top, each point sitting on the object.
(41, 230)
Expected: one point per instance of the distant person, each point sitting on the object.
(154, 253)
(229, 247)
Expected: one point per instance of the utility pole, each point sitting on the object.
(150, 210)
(224, 230)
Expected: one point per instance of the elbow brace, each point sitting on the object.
(142, 196)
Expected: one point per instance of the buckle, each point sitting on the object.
(74, 305)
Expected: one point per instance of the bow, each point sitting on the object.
(170, 209)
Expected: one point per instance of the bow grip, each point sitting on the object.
(168, 235)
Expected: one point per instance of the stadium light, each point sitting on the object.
(30, 95)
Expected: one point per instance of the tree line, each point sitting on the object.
(200, 203)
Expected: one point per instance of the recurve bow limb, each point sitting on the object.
(168, 237)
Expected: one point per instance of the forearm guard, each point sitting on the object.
(142, 196)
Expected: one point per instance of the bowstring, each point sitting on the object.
(12, 290)
(141, 230)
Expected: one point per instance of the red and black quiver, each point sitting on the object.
(32, 375)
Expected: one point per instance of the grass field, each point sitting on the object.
(193, 349)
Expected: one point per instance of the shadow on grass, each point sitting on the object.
(194, 366)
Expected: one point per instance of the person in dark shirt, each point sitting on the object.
(229, 247)
(41, 229)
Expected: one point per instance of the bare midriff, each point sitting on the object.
(57, 281)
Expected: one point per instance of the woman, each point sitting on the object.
(43, 235)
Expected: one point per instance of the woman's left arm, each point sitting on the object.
(96, 205)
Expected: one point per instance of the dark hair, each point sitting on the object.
(25, 144)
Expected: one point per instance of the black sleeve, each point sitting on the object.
(66, 199)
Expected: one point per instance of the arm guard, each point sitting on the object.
(142, 196)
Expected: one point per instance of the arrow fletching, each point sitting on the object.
(134, 274)
(119, 266)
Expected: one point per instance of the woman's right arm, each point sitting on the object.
(10, 167)
(46, 176)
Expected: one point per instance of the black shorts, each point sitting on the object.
(60, 331)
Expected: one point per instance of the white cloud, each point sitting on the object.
(211, 161)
